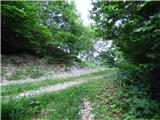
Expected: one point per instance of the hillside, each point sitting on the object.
(26, 67)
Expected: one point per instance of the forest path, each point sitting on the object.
(56, 87)
(73, 97)
(85, 111)
(61, 75)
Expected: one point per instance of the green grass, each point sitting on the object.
(61, 105)
(18, 88)
(105, 95)
(91, 64)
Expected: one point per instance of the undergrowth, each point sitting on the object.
(110, 99)
(31, 71)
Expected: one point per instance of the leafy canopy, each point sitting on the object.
(35, 26)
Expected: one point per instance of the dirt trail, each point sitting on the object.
(85, 111)
(58, 76)
(56, 87)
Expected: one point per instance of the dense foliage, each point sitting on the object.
(42, 27)
(107, 58)
(134, 28)
(21, 28)
(66, 26)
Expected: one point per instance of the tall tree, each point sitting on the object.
(21, 28)
(134, 28)
(67, 29)
(33, 26)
